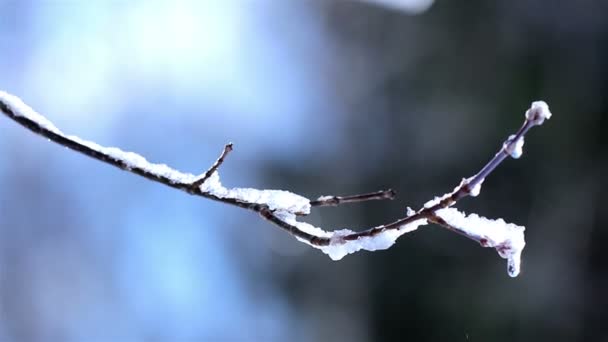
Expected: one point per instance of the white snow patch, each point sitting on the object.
(514, 148)
(476, 189)
(538, 112)
(507, 238)
(279, 200)
(339, 247)
(324, 198)
(19, 108)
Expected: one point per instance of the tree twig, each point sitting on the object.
(277, 206)
(332, 201)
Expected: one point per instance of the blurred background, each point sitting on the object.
(320, 97)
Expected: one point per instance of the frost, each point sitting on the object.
(514, 149)
(507, 238)
(538, 112)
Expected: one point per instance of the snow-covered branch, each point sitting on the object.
(282, 207)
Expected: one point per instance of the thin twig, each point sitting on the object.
(199, 181)
(332, 201)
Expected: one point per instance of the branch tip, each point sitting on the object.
(195, 186)
(538, 112)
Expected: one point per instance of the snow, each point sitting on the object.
(325, 198)
(507, 238)
(514, 148)
(290, 218)
(538, 112)
(19, 108)
(338, 247)
(476, 189)
(278, 200)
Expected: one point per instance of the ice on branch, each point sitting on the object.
(507, 238)
(538, 112)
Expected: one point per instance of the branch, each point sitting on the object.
(282, 207)
(332, 201)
